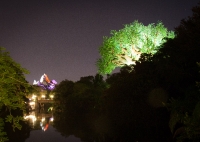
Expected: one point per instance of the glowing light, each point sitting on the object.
(51, 119)
(41, 124)
(51, 96)
(33, 97)
(46, 127)
(30, 117)
(45, 83)
(43, 96)
(43, 119)
(32, 103)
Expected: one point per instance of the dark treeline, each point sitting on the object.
(158, 100)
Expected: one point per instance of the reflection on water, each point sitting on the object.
(41, 122)
(51, 135)
(43, 119)
(40, 116)
(71, 122)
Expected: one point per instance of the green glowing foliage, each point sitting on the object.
(13, 88)
(125, 46)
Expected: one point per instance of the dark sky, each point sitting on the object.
(61, 37)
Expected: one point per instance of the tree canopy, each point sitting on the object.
(13, 89)
(125, 46)
(77, 104)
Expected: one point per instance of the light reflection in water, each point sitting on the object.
(39, 116)
(31, 118)
(41, 119)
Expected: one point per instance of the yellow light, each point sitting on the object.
(43, 119)
(33, 97)
(51, 96)
(32, 103)
(31, 117)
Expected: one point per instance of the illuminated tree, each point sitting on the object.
(13, 89)
(125, 46)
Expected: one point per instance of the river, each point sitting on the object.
(42, 129)
(82, 123)
(50, 135)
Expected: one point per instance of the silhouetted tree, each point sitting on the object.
(78, 105)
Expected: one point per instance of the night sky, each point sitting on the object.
(61, 37)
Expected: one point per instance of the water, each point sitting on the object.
(50, 135)
(41, 123)
(89, 124)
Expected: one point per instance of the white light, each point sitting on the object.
(51, 119)
(32, 103)
(43, 119)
